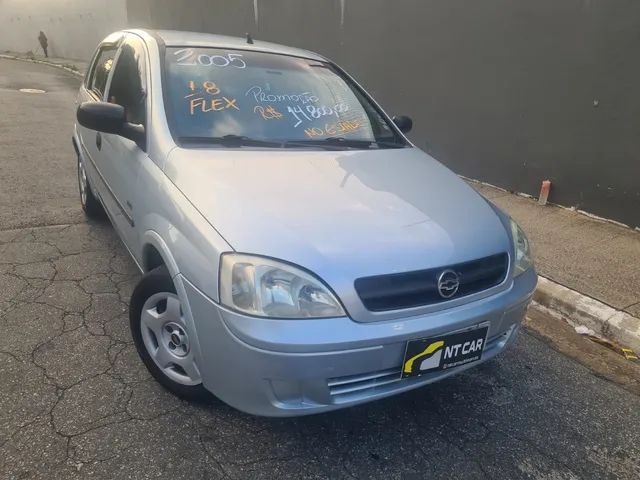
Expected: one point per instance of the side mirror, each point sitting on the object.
(110, 118)
(101, 116)
(404, 123)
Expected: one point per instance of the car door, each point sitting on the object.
(120, 158)
(94, 89)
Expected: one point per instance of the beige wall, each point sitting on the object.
(73, 27)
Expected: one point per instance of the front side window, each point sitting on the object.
(127, 86)
(214, 94)
(101, 69)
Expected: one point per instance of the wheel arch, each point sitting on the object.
(155, 252)
(188, 245)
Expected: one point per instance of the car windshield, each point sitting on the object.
(247, 98)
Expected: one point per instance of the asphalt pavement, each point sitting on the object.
(76, 402)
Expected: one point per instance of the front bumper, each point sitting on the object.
(297, 367)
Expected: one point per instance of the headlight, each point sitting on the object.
(268, 288)
(523, 260)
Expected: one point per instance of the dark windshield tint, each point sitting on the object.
(215, 93)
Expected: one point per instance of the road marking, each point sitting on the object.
(31, 90)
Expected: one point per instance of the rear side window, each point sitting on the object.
(101, 69)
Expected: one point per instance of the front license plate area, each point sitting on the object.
(426, 355)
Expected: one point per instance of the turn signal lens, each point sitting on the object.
(523, 260)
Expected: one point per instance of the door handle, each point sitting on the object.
(98, 140)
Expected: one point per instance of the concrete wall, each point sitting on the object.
(73, 27)
(511, 92)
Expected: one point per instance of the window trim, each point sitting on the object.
(92, 65)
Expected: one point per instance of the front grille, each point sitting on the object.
(420, 287)
(358, 383)
(352, 387)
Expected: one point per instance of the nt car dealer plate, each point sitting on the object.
(427, 355)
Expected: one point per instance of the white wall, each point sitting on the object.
(73, 27)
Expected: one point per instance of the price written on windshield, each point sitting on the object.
(311, 112)
(268, 113)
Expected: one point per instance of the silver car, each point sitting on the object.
(299, 253)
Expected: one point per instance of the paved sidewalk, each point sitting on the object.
(594, 257)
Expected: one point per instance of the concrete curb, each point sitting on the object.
(579, 309)
(44, 62)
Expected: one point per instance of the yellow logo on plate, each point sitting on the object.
(433, 350)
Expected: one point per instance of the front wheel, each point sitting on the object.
(162, 337)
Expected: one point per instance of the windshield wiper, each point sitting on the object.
(329, 143)
(341, 142)
(311, 144)
(364, 143)
(230, 141)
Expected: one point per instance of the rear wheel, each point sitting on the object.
(90, 204)
(162, 337)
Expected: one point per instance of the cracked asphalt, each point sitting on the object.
(77, 403)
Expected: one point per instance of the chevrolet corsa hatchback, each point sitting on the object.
(299, 253)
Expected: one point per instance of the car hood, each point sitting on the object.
(341, 214)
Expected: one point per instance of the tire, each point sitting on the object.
(162, 338)
(90, 204)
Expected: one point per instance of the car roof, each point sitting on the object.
(176, 38)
